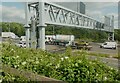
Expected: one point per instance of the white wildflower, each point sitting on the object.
(37, 62)
(17, 56)
(62, 59)
(105, 78)
(12, 49)
(0, 80)
(79, 61)
(111, 68)
(66, 57)
(23, 63)
(58, 65)
(90, 62)
(97, 74)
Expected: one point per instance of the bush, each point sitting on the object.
(59, 66)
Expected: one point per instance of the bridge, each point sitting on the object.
(40, 14)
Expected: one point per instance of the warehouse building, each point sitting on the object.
(9, 35)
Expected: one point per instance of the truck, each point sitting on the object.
(110, 44)
(81, 45)
(49, 39)
(23, 38)
(64, 40)
(21, 44)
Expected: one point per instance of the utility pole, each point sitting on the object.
(8, 26)
(53, 29)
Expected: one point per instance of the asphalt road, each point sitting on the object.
(96, 49)
(112, 62)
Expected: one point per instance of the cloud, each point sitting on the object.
(99, 5)
(93, 9)
(101, 9)
(61, 0)
(12, 14)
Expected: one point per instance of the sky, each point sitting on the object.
(14, 11)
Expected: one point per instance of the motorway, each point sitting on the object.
(112, 62)
(96, 49)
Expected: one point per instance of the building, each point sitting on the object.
(9, 35)
(82, 8)
(75, 6)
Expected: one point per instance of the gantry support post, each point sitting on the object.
(112, 28)
(111, 36)
(41, 26)
(33, 33)
(27, 27)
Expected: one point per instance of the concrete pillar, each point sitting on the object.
(33, 34)
(27, 32)
(27, 27)
(42, 38)
(41, 26)
(113, 36)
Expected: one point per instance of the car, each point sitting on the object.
(21, 44)
(112, 45)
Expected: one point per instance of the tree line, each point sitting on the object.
(79, 33)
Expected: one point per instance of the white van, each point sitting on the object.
(112, 45)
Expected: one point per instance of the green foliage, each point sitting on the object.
(117, 34)
(64, 67)
(6, 77)
(16, 28)
(80, 33)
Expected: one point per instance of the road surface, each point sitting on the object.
(112, 62)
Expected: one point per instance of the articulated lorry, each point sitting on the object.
(64, 40)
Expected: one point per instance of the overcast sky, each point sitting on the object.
(14, 11)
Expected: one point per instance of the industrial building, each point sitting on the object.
(76, 6)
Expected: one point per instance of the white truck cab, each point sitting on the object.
(21, 44)
(112, 45)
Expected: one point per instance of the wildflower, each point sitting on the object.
(105, 78)
(37, 62)
(58, 65)
(97, 74)
(66, 57)
(62, 59)
(23, 63)
(90, 62)
(111, 68)
(79, 61)
(12, 49)
(17, 56)
(0, 80)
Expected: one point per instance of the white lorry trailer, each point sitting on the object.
(65, 40)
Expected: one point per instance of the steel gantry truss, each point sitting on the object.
(39, 14)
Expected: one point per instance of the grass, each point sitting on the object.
(104, 55)
(99, 54)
